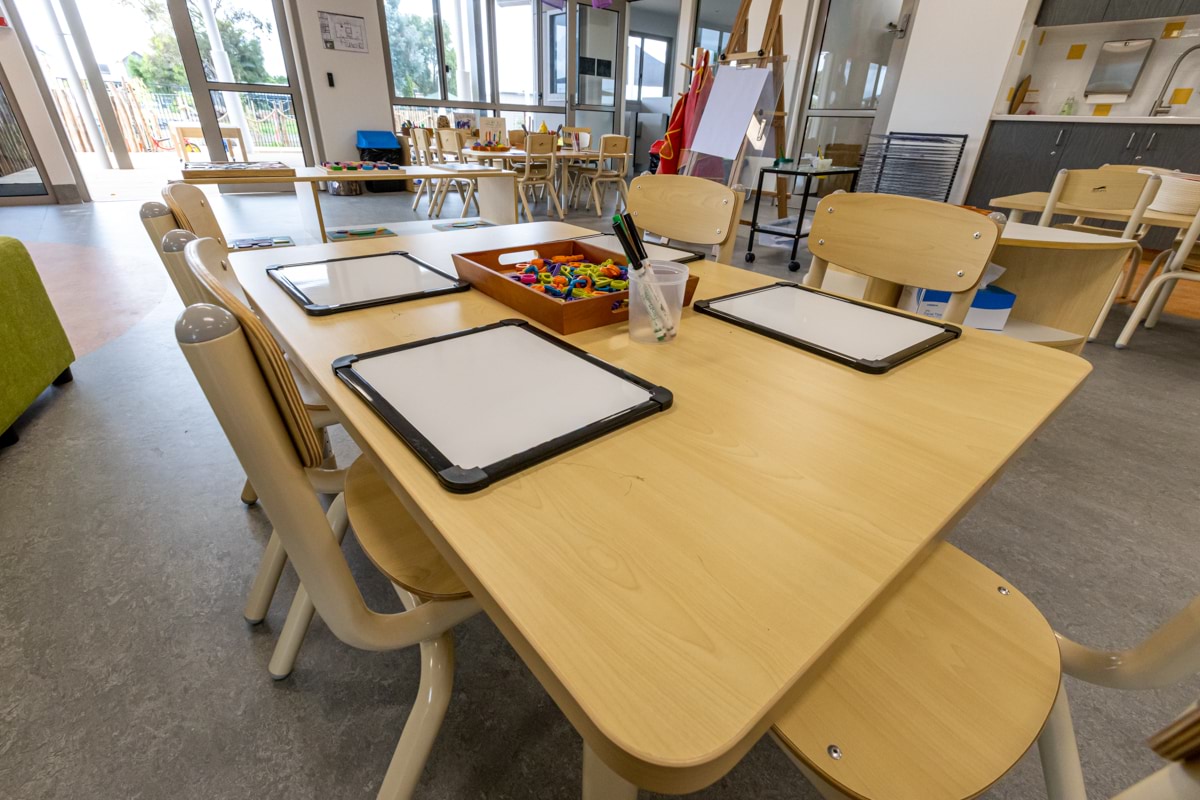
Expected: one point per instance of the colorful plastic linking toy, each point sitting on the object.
(351, 166)
(572, 278)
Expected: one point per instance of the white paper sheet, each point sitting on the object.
(487, 396)
(856, 331)
(731, 105)
(356, 280)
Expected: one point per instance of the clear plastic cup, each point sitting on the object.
(656, 301)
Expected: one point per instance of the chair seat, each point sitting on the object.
(1096, 229)
(937, 695)
(309, 395)
(393, 540)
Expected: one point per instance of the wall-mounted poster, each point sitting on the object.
(343, 32)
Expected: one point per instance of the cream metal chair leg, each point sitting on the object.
(467, 202)
(596, 197)
(553, 198)
(1149, 301)
(1060, 754)
(1158, 261)
(428, 711)
(265, 581)
(601, 783)
(1164, 294)
(249, 496)
(521, 188)
(300, 615)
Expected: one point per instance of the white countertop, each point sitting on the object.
(1061, 118)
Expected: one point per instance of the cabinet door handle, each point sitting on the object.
(1132, 136)
(1058, 140)
(1150, 141)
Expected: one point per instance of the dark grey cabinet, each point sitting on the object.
(1139, 9)
(1025, 156)
(1070, 12)
(1091, 145)
(1074, 12)
(1017, 157)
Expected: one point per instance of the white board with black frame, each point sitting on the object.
(859, 335)
(481, 404)
(345, 284)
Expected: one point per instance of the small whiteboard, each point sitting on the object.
(657, 252)
(344, 284)
(484, 403)
(856, 334)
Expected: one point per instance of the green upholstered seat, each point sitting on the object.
(34, 350)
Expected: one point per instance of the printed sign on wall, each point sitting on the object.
(343, 32)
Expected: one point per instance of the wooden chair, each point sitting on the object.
(901, 241)
(687, 209)
(516, 139)
(193, 211)
(585, 137)
(942, 688)
(262, 433)
(450, 146)
(1105, 189)
(1180, 263)
(421, 139)
(219, 286)
(158, 221)
(539, 171)
(609, 168)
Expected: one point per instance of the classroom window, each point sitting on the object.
(646, 71)
(855, 47)
(516, 71)
(438, 49)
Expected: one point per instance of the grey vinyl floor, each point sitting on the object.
(126, 670)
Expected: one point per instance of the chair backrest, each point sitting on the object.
(222, 358)
(687, 209)
(421, 140)
(193, 211)
(896, 241)
(541, 150)
(1104, 189)
(158, 221)
(210, 264)
(449, 143)
(585, 135)
(613, 144)
(517, 139)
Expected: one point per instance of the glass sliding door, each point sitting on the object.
(21, 175)
(234, 55)
(852, 76)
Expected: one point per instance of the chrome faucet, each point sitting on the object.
(1160, 109)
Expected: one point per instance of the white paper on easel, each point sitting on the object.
(493, 129)
(729, 110)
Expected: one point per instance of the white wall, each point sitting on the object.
(957, 57)
(360, 98)
(33, 108)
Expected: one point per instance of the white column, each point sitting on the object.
(223, 72)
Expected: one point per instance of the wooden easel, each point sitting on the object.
(769, 53)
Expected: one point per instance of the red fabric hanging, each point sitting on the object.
(685, 116)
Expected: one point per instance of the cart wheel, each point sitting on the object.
(793, 266)
(749, 258)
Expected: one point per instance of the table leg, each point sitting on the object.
(794, 265)
(497, 198)
(1015, 215)
(754, 220)
(601, 783)
(308, 196)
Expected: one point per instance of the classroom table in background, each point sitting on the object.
(671, 583)
(566, 159)
(496, 193)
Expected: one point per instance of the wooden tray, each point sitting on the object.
(237, 169)
(484, 271)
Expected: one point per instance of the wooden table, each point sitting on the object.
(565, 158)
(1148, 308)
(670, 584)
(497, 192)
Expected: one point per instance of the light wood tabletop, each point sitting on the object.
(1036, 201)
(669, 584)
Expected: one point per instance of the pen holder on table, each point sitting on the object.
(656, 301)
